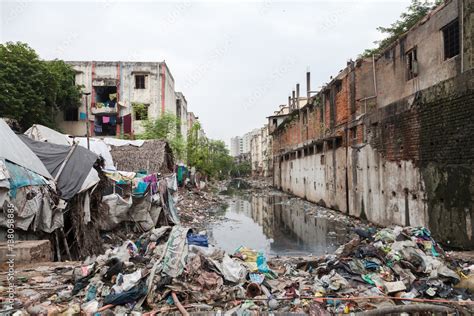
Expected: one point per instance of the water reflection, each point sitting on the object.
(277, 225)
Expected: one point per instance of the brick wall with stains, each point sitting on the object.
(400, 156)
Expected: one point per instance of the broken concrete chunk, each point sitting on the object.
(393, 287)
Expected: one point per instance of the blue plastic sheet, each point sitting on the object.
(198, 240)
(22, 177)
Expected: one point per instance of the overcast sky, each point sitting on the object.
(234, 61)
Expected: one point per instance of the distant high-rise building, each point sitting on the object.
(235, 146)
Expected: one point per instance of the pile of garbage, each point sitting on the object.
(171, 269)
(196, 207)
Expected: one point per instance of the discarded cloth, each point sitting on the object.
(126, 297)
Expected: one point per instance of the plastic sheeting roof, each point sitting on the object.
(45, 134)
(14, 150)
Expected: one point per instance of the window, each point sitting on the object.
(412, 64)
(71, 115)
(139, 81)
(141, 111)
(353, 133)
(451, 39)
(338, 86)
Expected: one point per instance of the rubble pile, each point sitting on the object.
(175, 268)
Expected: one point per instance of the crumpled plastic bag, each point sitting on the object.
(333, 281)
(232, 270)
(90, 307)
(127, 281)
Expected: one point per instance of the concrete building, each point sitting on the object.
(122, 95)
(182, 114)
(389, 138)
(256, 154)
(236, 146)
(261, 153)
(246, 139)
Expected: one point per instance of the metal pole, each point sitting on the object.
(87, 120)
(308, 85)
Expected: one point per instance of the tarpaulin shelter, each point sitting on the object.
(76, 172)
(45, 134)
(27, 185)
(98, 146)
(70, 165)
(14, 150)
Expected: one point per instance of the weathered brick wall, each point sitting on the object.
(435, 132)
(408, 163)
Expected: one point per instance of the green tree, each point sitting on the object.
(32, 90)
(241, 169)
(164, 127)
(221, 161)
(415, 12)
(197, 153)
(208, 156)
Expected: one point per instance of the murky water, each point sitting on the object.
(277, 225)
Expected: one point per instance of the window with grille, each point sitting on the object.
(139, 81)
(451, 39)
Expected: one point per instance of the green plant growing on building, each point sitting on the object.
(415, 12)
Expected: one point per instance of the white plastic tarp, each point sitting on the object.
(12, 148)
(99, 147)
(45, 134)
(123, 142)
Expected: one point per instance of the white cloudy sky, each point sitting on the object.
(235, 61)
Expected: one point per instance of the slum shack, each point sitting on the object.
(55, 191)
(141, 192)
(28, 198)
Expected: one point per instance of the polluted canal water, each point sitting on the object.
(278, 225)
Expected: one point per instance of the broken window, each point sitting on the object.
(451, 39)
(71, 114)
(412, 64)
(139, 81)
(338, 86)
(353, 133)
(305, 117)
(141, 111)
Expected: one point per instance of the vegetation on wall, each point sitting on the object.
(140, 111)
(415, 12)
(32, 91)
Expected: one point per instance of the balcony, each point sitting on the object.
(98, 109)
